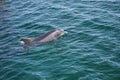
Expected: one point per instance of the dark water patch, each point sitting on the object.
(86, 37)
(87, 23)
(107, 6)
(35, 26)
(9, 74)
(106, 45)
(101, 28)
(107, 28)
(4, 36)
(23, 76)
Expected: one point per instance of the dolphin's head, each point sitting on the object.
(60, 32)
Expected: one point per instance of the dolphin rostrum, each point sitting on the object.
(47, 37)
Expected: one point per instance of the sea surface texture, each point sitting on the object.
(89, 51)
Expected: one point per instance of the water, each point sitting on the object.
(90, 50)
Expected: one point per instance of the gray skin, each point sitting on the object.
(47, 37)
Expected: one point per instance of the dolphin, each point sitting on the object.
(27, 43)
(52, 35)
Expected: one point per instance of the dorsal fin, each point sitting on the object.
(26, 41)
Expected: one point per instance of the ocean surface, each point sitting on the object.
(90, 50)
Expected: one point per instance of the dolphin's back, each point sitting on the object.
(44, 35)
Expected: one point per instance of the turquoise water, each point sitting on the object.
(90, 50)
